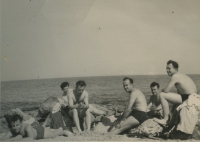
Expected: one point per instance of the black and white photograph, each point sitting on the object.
(100, 70)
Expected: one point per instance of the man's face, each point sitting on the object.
(155, 90)
(80, 89)
(127, 85)
(170, 69)
(65, 89)
(16, 126)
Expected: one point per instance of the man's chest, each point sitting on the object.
(78, 98)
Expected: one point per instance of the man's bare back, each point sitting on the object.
(184, 84)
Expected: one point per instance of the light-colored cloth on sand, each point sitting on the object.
(189, 111)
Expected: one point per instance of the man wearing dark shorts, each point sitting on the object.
(135, 112)
(22, 131)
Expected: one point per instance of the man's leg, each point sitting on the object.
(93, 110)
(165, 98)
(51, 133)
(88, 119)
(74, 114)
(127, 124)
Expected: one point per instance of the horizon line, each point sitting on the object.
(88, 76)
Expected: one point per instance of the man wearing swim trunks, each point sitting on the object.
(22, 131)
(184, 85)
(79, 104)
(154, 108)
(135, 112)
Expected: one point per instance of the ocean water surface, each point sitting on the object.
(102, 90)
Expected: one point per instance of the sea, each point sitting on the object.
(103, 90)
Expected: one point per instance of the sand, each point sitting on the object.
(93, 136)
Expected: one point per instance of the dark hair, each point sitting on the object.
(175, 64)
(127, 78)
(63, 85)
(80, 83)
(13, 118)
(153, 84)
(16, 117)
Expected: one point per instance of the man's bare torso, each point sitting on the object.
(140, 101)
(23, 131)
(77, 98)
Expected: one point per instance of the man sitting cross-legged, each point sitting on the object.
(135, 112)
(21, 131)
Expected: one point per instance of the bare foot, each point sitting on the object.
(68, 133)
(60, 128)
(87, 131)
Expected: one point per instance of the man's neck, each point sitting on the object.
(132, 89)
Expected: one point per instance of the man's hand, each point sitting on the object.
(81, 106)
(153, 107)
(119, 124)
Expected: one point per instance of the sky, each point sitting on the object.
(72, 38)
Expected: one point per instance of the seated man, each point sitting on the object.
(154, 108)
(135, 111)
(78, 105)
(184, 85)
(22, 131)
(65, 87)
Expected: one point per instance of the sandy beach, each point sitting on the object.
(103, 137)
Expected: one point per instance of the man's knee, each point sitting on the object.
(162, 95)
(75, 112)
(88, 111)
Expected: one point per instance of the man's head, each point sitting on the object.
(155, 88)
(172, 67)
(80, 86)
(128, 84)
(16, 123)
(64, 86)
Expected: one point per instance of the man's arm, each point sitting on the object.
(149, 106)
(86, 100)
(159, 107)
(129, 106)
(30, 134)
(6, 136)
(150, 103)
(71, 102)
(170, 84)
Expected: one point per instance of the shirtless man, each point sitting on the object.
(24, 132)
(78, 104)
(135, 112)
(154, 106)
(184, 85)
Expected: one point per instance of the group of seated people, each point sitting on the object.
(136, 111)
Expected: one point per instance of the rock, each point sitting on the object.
(47, 106)
(103, 127)
(149, 127)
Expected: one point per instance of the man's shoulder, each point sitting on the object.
(136, 92)
(70, 92)
(26, 126)
(85, 93)
(177, 75)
